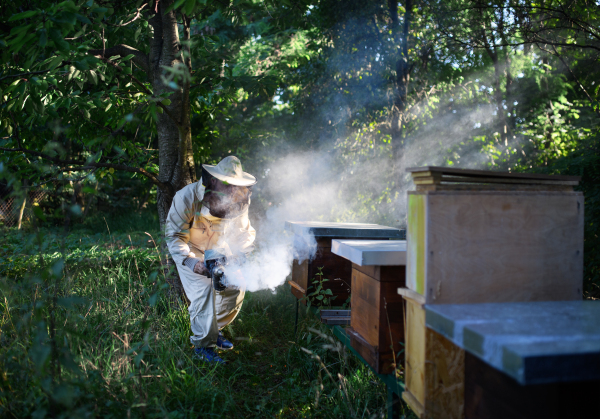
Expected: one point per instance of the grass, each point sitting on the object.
(87, 332)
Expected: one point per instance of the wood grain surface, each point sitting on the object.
(444, 378)
(373, 304)
(425, 171)
(502, 247)
(415, 350)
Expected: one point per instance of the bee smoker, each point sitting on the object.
(215, 260)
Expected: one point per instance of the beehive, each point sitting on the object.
(377, 317)
(475, 237)
(335, 268)
(515, 237)
(525, 360)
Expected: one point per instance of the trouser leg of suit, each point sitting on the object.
(209, 310)
(228, 304)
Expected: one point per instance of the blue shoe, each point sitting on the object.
(209, 355)
(223, 343)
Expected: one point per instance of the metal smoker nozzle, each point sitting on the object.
(214, 259)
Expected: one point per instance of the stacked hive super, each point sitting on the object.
(334, 268)
(377, 320)
(525, 360)
(481, 237)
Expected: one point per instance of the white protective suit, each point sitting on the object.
(190, 230)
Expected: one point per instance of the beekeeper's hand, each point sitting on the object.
(201, 269)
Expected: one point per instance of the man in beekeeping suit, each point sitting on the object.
(204, 216)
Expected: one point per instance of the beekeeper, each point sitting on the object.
(211, 214)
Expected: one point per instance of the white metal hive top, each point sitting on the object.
(342, 230)
(371, 252)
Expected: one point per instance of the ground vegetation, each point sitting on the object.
(110, 107)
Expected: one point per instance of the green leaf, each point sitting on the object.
(24, 15)
(189, 7)
(58, 39)
(37, 211)
(81, 65)
(83, 19)
(175, 5)
(166, 102)
(92, 77)
(54, 63)
(43, 37)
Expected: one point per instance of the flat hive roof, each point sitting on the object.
(533, 342)
(342, 230)
(371, 252)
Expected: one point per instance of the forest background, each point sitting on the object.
(109, 107)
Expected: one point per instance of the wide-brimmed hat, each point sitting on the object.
(230, 170)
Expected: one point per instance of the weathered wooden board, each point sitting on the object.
(415, 356)
(495, 246)
(434, 370)
(378, 315)
(444, 377)
(384, 273)
(426, 171)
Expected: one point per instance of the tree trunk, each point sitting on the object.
(176, 158)
(400, 82)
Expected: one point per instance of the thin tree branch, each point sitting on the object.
(137, 16)
(32, 73)
(139, 58)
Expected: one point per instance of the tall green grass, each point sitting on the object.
(87, 331)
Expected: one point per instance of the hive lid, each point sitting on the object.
(534, 342)
(428, 176)
(371, 252)
(343, 230)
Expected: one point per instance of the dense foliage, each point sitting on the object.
(325, 101)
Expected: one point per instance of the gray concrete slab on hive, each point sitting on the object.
(371, 252)
(533, 342)
(342, 230)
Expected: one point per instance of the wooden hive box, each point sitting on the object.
(471, 242)
(525, 360)
(335, 268)
(478, 237)
(377, 317)
(434, 366)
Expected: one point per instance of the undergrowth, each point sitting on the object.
(87, 332)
